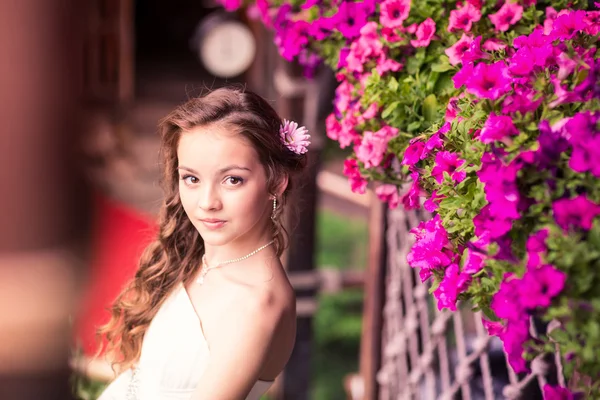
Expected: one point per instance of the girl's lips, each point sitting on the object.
(211, 223)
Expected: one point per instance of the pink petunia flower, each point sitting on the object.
(425, 32)
(429, 251)
(294, 137)
(453, 284)
(394, 12)
(385, 64)
(350, 18)
(509, 14)
(494, 45)
(496, 128)
(489, 81)
(463, 18)
(559, 393)
(388, 194)
(412, 198)
(358, 184)
(567, 25)
(374, 146)
(540, 285)
(458, 49)
(448, 162)
(578, 212)
(413, 153)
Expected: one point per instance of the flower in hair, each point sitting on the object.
(294, 137)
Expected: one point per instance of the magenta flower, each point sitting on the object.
(463, 18)
(567, 25)
(522, 62)
(514, 337)
(388, 194)
(294, 137)
(457, 50)
(374, 146)
(522, 100)
(292, 38)
(509, 14)
(448, 162)
(452, 109)
(350, 18)
(474, 52)
(489, 81)
(585, 139)
(506, 303)
(473, 262)
(385, 64)
(494, 45)
(425, 32)
(412, 199)
(413, 153)
(433, 202)
(393, 12)
(578, 212)
(429, 251)
(496, 128)
(358, 184)
(453, 284)
(366, 48)
(537, 242)
(463, 76)
(540, 285)
(559, 393)
(493, 328)
(231, 5)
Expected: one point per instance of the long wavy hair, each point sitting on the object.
(175, 255)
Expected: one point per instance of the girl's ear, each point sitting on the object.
(281, 185)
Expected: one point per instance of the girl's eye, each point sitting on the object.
(234, 180)
(189, 179)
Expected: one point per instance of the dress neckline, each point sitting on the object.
(193, 309)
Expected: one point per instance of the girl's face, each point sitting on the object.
(222, 186)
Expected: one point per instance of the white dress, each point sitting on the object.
(174, 356)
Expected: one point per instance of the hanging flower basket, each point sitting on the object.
(490, 111)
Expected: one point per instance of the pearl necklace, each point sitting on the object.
(206, 268)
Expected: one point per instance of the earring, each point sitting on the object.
(274, 208)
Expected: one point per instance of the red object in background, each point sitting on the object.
(120, 234)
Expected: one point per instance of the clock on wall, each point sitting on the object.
(225, 46)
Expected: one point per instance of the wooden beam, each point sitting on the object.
(370, 347)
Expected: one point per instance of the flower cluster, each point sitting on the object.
(491, 114)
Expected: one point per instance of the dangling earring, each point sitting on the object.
(274, 208)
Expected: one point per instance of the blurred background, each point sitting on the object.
(83, 87)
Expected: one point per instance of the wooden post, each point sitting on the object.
(374, 298)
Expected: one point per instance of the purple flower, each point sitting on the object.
(489, 81)
(552, 143)
(446, 161)
(578, 212)
(540, 285)
(350, 18)
(463, 76)
(521, 100)
(585, 139)
(496, 128)
(492, 225)
(590, 87)
(294, 137)
(509, 14)
(506, 303)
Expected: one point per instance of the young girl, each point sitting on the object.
(210, 313)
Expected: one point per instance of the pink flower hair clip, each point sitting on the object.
(295, 138)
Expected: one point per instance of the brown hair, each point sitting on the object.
(176, 253)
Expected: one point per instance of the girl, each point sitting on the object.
(210, 313)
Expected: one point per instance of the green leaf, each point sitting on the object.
(430, 106)
(441, 67)
(389, 109)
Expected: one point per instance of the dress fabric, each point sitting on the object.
(174, 356)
